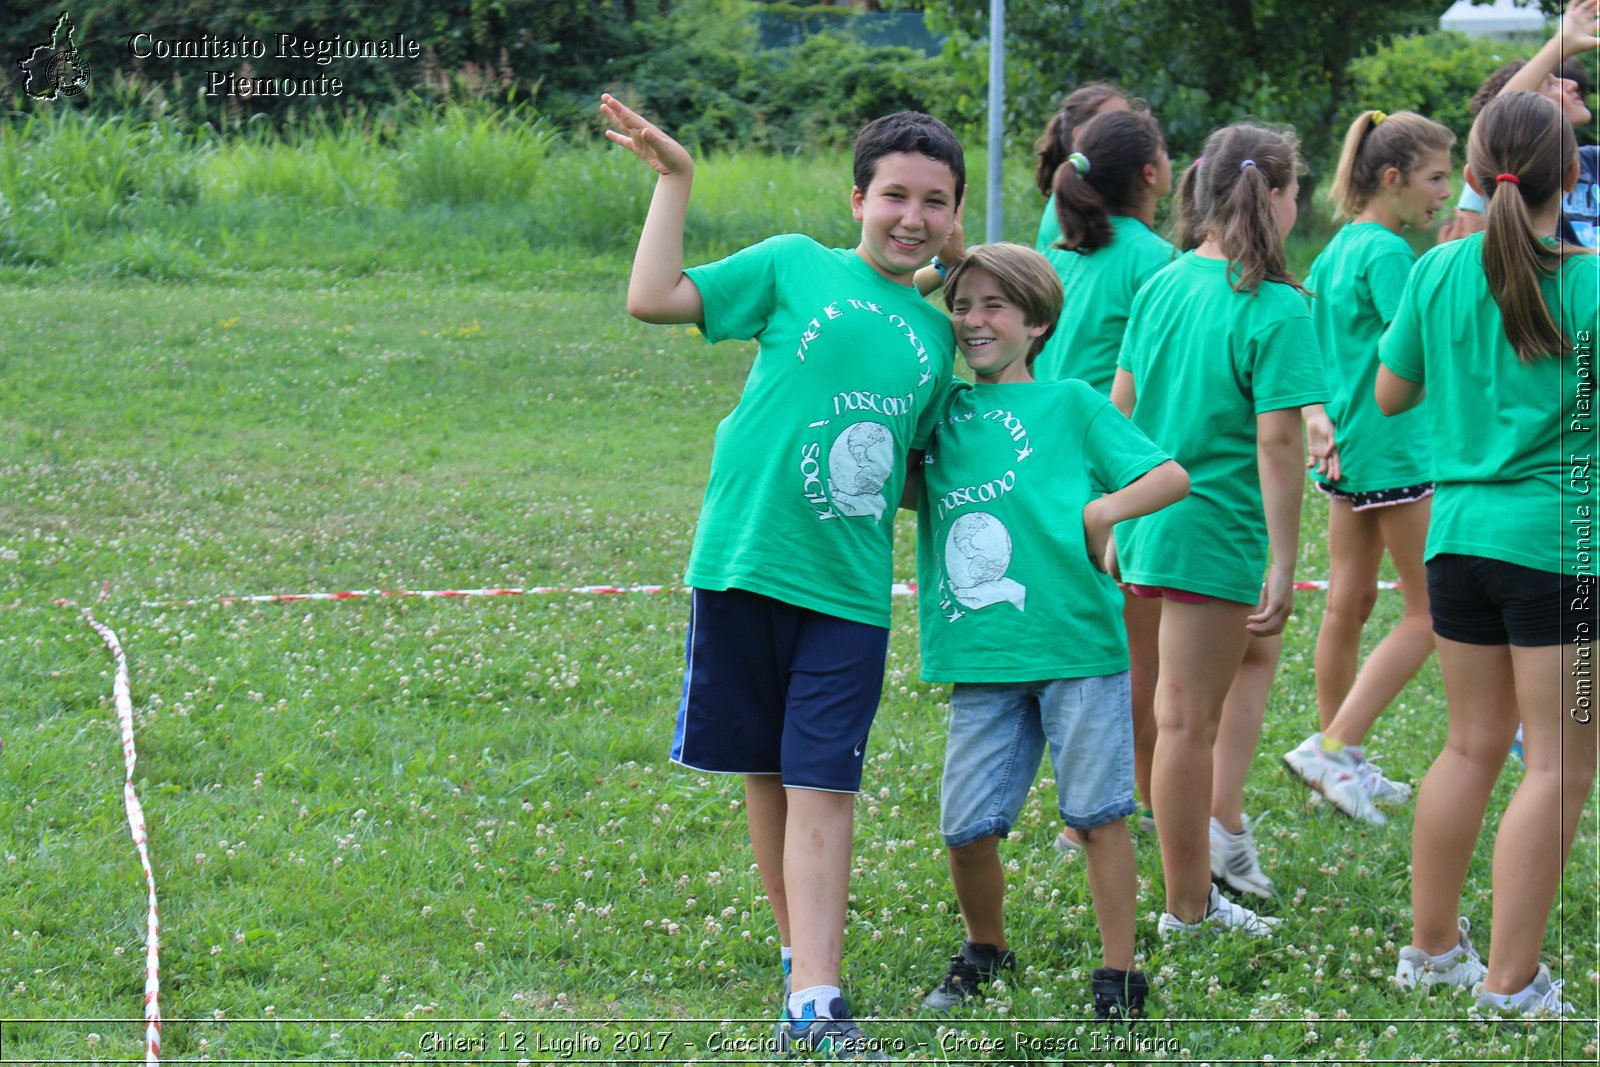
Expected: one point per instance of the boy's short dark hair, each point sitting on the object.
(1493, 84)
(908, 131)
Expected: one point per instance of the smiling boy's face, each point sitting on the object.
(906, 213)
(992, 332)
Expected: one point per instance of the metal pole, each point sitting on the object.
(997, 121)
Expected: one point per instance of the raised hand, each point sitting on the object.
(629, 129)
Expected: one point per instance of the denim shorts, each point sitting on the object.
(998, 733)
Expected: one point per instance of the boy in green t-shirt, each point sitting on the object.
(1021, 485)
(792, 562)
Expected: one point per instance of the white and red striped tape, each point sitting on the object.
(121, 695)
(898, 589)
(121, 692)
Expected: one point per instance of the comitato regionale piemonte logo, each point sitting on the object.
(55, 69)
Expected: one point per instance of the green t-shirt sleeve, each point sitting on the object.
(1116, 451)
(1285, 362)
(1400, 348)
(739, 293)
(1386, 283)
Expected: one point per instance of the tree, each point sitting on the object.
(1200, 63)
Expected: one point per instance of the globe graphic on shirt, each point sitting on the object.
(859, 465)
(978, 549)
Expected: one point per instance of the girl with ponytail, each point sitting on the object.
(1104, 198)
(1394, 172)
(1218, 360)
(1499, 328)
(1056, 143)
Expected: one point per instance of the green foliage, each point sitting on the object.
(1200, 64)
(1433, 74)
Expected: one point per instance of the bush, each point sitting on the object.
(1433, 74)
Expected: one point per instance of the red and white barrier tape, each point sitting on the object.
(121, 692)
(898, 589)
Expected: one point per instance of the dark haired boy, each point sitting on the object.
(791, 568)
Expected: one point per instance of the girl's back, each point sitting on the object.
(1497, 422)
(1358, 280)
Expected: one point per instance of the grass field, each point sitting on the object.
(375, 821)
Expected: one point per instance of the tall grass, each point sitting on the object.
(449, 189)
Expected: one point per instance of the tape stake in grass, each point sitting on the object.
(121, 694)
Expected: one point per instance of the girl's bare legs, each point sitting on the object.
(1201, 647)
(1531, 847)
(1395, 661)
(1355, 550)
(1142, 616)
(1243, 711)
(1482, 697)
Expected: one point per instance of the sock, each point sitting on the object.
(787, 954)
(818, 997)
(1329, 745)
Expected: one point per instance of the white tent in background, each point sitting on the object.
(1503, 18)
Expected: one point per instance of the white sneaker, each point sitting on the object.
(1461, 966)
(1221, 914)
(1381, 789)
(1540, 997)
(1337, 775)
(1234, 862)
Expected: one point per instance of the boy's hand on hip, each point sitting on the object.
(664, 155)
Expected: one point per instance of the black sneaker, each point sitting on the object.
(969, 969)
(1118, 995)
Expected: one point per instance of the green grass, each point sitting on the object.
(398, 813)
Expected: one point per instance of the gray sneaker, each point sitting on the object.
(970, 969)
(1541, 997)
(834, 1036)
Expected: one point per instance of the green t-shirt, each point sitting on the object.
(1049, 227)
(1358, 280)
(1099, 286)
(1007, 590)
(1206, 360)
(1513, 442)
(807, 470)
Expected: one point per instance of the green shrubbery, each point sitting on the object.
(1434, 74)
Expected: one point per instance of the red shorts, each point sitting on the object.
(1166, 592)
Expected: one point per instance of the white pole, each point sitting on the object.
(997, 121)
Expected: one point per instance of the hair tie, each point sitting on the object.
(1247, 163)
(1378, 117)
(1199, 160)
(1080, 163)
(1512, 178)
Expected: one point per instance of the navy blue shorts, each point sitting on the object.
(771, 688)
(1482, 601)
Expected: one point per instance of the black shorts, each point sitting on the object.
(1482, 601)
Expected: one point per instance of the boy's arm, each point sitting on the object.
(1574, 36)
(913, 488)
(658, 290)
(1160, 486)
(1279, 449)
(930, 279)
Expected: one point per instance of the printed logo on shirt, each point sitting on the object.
(977, 555)
(859, 465)
(845, 472)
